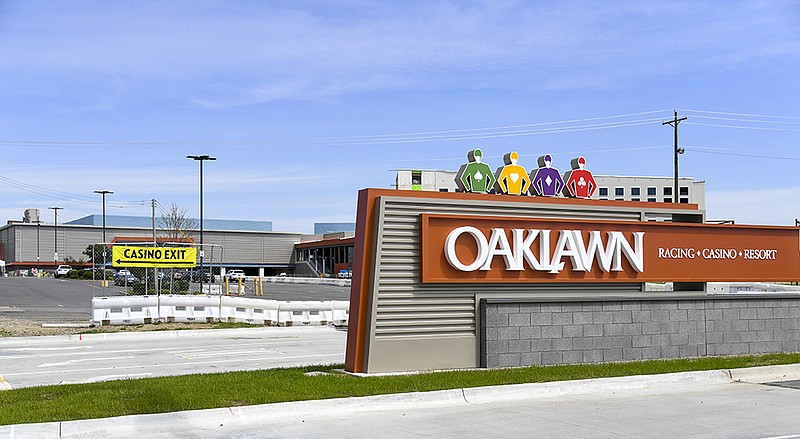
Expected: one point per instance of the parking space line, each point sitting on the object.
(4, 385)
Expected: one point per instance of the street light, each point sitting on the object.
(103, 193)
(201, 159)
(55, 233)
(38, 267)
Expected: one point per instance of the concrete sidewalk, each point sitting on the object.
(231, 422)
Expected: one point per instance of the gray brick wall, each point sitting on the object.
(527, 334)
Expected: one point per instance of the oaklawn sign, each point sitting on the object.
(458, 248)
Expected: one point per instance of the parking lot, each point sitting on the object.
(49, 300)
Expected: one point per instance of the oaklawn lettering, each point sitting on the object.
(531, 248)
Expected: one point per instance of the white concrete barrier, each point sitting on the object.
(306, 313)
(124, 310)
(246, 310)
(308, 280)
(136, 310)
(185, 308)
(340, 312)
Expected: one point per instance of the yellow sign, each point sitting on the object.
(162, 257)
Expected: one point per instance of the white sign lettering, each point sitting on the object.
(519, 251)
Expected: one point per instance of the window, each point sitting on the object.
(444, 189)
(651, 199)
(684, 200)
(684, 191)
(651, 192)
(416, 180)
(619, 191)
(667, 191)
(602, 192)
(635, 191)
(667, 199)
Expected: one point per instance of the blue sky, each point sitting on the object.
(304, 103)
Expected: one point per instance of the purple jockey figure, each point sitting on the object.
(547, 181)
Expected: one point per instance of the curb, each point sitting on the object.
(213, 420)
(766, 374)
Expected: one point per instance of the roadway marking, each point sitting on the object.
(102, 378)
(48, 349)
(4, 385)
(340, 356)
(81, 360)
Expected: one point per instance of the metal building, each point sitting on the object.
(26, 245)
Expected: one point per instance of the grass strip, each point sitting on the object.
(204, 391)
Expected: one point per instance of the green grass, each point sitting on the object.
(192, 392)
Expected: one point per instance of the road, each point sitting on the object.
(37, 361)
(67, 300)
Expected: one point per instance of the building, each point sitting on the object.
(30, 244)
(610, 187)
(330, 256)
(147, 222)
(325, 228)
(252, 247)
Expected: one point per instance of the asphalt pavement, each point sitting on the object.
(67, 300)
(68, 359)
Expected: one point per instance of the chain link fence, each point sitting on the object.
(145, 281)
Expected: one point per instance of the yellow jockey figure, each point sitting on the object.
(512, 178)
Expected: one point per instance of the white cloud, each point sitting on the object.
(271, 51)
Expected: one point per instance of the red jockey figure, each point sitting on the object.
(579, 182)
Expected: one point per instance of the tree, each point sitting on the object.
(176, 226)
(96, 251)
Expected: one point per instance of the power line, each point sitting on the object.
(442, 135)
(738, 154)
(741, 127)
(774, 122)
(64, 196)
(742, 114)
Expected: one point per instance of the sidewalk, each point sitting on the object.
(232, 421)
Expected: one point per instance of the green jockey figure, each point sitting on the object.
(475, 176)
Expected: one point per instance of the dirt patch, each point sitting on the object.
(10, 327)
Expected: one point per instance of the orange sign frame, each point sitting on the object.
(667, 252)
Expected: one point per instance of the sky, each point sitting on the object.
(303, 103)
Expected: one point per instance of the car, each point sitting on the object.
(194, 276)
(124, 277)
(235, 274)
(62, 270)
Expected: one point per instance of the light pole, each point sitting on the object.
(55, 234)
(103, 193)
(38, 265)
(201, 159)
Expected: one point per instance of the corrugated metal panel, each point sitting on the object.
(406, 308)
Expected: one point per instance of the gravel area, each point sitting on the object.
(11, 327)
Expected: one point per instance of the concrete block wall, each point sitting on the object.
(525, 334)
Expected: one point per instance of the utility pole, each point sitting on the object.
(674, 123)
(155, 243)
